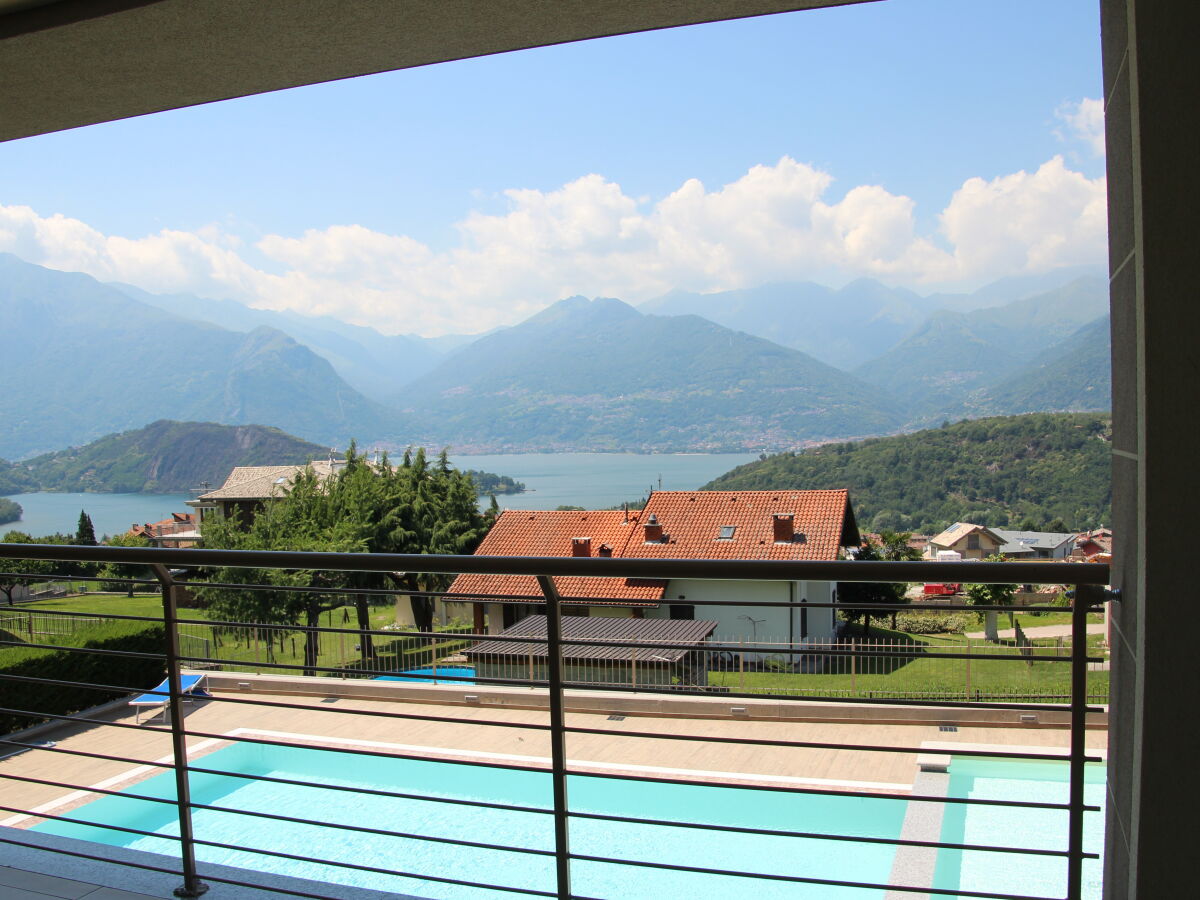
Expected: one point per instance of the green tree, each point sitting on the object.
(860, 597)
(991, 595)
(123, 570)
(363, 508)
(85, 534)
(12, 570)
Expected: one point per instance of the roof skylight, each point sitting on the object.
(726, 532)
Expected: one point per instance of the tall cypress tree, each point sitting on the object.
(85, 534)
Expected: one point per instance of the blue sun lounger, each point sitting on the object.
(191, 685)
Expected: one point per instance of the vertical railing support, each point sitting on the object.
(1085, 597)
(558, 747)
(192, 885)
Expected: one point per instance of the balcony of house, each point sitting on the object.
(311, 753)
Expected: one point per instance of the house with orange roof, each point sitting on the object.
(684, 525)
(177, 531)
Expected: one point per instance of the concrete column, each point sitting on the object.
(1151, 80)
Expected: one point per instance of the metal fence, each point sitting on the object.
(562, 693)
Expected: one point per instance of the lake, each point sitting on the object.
(590, 480)
(111, 513)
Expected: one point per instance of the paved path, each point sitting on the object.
(1042, 631)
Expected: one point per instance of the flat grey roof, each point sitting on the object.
(600, 629)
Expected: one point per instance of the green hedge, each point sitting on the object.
(132, 674)
(934, 622)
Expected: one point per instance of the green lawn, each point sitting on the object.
(927, 674)
(246, 648)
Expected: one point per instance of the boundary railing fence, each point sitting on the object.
(176, 571)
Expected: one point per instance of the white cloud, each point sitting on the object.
(1028, 222)
(776, 222)
(1085, 122)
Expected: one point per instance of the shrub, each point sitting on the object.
(934, 622)
(128, 674)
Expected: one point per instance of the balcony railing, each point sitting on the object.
(546, 687)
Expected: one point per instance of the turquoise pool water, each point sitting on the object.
(1007, 873)
(425, 675)
(866, 817)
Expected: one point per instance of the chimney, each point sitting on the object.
(581, 546)
(604, 550)
(782, 527)
(653, 530)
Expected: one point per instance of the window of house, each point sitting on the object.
(972, 542)
(726, 532)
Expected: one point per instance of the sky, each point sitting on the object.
(931, 144)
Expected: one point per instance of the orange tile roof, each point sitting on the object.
(549, 533)
(691, 522)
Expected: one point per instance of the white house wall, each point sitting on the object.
(772, 623)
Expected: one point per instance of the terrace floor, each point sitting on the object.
(19, 884)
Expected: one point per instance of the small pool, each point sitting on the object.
(1010, 873)
(812, 857)
(426, 675)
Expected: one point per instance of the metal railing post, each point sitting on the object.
(192, 885)
(1085, 597)
(558, 747)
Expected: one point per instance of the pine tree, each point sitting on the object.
(85, 534)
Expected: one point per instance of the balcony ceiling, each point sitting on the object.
(69, 63)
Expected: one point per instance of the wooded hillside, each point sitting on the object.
(1004, 471)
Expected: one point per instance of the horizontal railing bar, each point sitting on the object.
(486, 764)
(366, 829)
(802, 879)
(816, 835)
(373, 632)
(276, 704)
(386, 714)
(273, 779)
(82, 788)
(107, 757)
(700, 691)
(907, 650)
(816, 650)
(131, 654)
(55, 818)
(812, 745)
(30, 610)
(83, 685)
(613, 567)
(377, 870)
(108, 859)
(341, 670)
(789, 789)
(39, 576)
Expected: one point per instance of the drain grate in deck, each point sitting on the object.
(330, 700)
(947, 728)
(616, 718)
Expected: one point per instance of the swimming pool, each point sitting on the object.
(1007, 873)
(825, 814)
(425, 675)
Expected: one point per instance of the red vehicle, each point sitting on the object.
(941, 590)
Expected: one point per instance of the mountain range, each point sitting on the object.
(86, 360)
(777, 366)
(598, 374)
